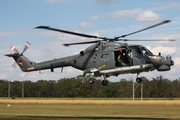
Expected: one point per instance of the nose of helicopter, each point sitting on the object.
(162, 64)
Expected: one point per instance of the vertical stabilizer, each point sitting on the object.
(21, 61)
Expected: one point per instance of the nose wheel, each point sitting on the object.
(105, 81)
(138, 79)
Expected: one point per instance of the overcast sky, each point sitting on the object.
(107, 18)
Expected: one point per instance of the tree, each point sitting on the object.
(3, 88)
(76, 87)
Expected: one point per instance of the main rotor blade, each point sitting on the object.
(81, 43)
(145, 40)
(122, 36)
(68, 32)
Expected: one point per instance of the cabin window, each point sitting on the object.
(121, 58)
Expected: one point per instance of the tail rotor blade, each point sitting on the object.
(27, 45)
(13, 48)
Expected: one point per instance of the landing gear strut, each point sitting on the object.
(91, 80)
(104, 82)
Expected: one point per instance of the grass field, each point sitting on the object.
(31, 109)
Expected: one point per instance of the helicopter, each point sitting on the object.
(104, 58)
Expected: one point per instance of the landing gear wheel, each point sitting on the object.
(104, 82)
(91, 81)
(138, 80)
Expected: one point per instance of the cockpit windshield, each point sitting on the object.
(145, 51)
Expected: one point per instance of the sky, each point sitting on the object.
(105, 18)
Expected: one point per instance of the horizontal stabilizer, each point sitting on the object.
(9, 55)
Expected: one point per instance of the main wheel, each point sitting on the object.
(91, 80)
(104, 82)
(138, 80)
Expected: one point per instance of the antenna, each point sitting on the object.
(141, 91)
(22, 89)
(9, 89)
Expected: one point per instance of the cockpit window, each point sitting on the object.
(145, 51)
(141, 50)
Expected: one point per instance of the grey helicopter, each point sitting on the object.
(104, 58)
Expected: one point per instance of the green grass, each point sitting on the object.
(59, 111)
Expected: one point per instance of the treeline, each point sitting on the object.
(76, 87)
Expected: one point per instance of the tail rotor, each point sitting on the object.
(17, 53)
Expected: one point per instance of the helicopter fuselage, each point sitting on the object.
(107, 59)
